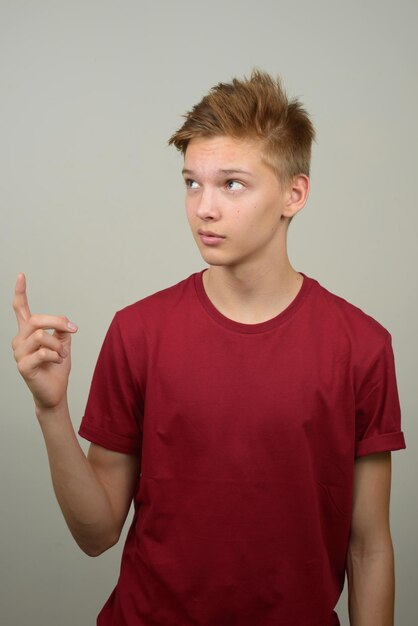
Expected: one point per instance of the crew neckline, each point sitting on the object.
(259, 327)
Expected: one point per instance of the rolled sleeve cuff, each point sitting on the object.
(111, 441)
(381, 443)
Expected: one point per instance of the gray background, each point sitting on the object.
(92, 210)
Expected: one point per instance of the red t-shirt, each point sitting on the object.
(248, 435)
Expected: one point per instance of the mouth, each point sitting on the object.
(209, 233)
(209, 237)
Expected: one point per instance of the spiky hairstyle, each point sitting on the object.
(254, 108)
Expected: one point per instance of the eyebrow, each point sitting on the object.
(228, 172)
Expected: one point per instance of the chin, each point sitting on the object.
(217, 257)
(213, 257)
(211, 260)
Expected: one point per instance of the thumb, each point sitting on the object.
(65, 337)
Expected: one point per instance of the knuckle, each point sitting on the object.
(14, 343)
(21, 367)
(42, 353)
(38, 334)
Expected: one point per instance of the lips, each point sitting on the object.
(209, 233)
(209, 238)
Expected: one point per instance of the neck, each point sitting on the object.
(252, 294)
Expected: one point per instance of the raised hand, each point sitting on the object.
(43, 359)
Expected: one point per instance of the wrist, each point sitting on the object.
(51, 412)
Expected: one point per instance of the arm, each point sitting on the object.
(94, 492)
(370, 559)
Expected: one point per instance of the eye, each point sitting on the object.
(191, 184)
(234, 185)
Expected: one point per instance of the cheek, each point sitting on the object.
(258, 221)
(189, 210)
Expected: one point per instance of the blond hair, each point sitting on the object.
(254, 108)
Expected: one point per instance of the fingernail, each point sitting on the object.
(72, 326)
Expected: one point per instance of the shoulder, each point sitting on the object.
(348, 331)
(349, 318)
(154, 308)
(365, 343)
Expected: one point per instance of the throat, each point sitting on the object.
(252, 304)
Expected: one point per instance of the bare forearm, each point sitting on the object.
(371, 587)
(82, 498)
(44, 361)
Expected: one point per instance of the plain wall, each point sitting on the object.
(92, 210)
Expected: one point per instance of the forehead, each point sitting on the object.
(222, 152)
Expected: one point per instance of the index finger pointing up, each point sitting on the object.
(20, 301)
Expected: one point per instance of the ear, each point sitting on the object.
(296, 195)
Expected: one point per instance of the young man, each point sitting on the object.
(248, 412)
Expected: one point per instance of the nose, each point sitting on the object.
(207, 205)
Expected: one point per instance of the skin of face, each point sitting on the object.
(232, 192)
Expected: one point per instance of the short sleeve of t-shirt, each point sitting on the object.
(114, 409)
(378, 414)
